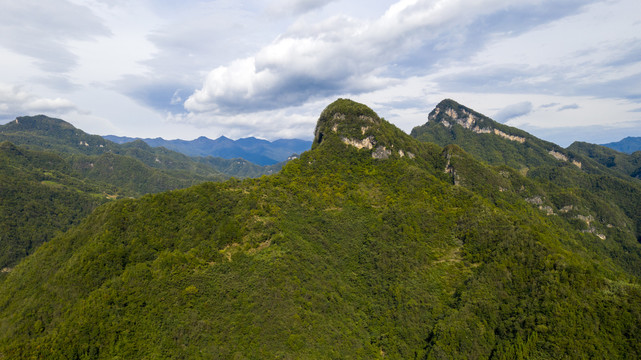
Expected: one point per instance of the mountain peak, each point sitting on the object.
(39, 122)
(448, 112)
(345, 119)
(488, 140)
(350, 123)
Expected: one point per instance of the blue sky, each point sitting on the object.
(564, 70)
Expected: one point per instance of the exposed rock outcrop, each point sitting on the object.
(357, 125)
(448, 113)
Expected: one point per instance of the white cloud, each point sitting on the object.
(295, 122)
(15, 101)
(513, 111)
(246, 68)
(57, 105)
(345, 55)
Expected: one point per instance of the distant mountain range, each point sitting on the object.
(52, 175)
(43, 133)
(627, 145)
(258, 151)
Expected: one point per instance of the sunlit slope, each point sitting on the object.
(371, 245)
(588, 184)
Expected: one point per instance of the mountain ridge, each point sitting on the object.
(351, 251)
(53, 175)
(50, 134)
(489, 140)
(628, 145)
(258, 151)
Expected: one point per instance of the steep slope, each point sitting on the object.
(39, 197)
(371, 245)
(488, 140)
(554, 167)
(628, 164)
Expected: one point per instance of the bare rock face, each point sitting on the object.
(449, 113)
(357, 125)
(347, 120)
(381, 153)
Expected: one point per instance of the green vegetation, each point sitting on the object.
(584, 170)
(628, 164)
(57, 174)
(478, 137)
(48, 134)
(39, 197)
(343, 254)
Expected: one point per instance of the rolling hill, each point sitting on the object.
(628, 164)
(40, 197)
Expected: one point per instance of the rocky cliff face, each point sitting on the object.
(359, 126)
(491, 141)
(448, 113)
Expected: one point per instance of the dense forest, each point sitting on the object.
(52, 175)
(40, 197)
(456, 242)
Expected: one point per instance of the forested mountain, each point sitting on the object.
(574, 171)
(257, 151)
(628, 164)
(628, 145)
(58, 174)
(486, 139)
(45, 133)
(370, 245)
(39, 197)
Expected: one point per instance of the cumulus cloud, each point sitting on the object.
(513, 111)
(15, 101)
(286, 73)
(246, 70)
(345, 55)
(296, 122)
